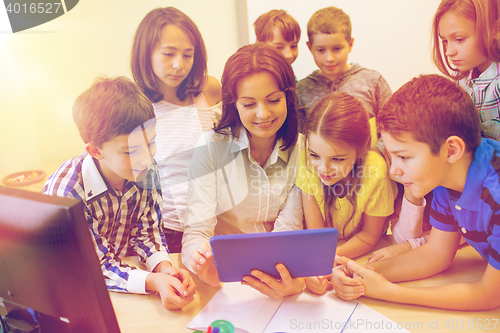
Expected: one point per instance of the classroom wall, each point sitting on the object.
(44, 69)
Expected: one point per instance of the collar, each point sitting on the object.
(243, 143)
(477, 173)
(93, 182)
(485, 78)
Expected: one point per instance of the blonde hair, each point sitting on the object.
(485, 15)
(329, 20)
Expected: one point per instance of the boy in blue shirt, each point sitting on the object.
(431, 129)
(117, 181)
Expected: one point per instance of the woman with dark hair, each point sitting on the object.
(243, 172)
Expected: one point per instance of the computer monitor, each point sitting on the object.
(48, 263)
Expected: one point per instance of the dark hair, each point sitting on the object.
(340, 119)
(109, 108)
(485, 14)
(147, 38)
(249, 60)
(432, 108)
(265, 23)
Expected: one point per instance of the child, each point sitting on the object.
(243, 171)
(279, 29)
(169, 63)
(344, 184)
(117, 181)
(469, 33)
(330, 42)
(432, 131)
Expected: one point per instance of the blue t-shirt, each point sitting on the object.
(475, 213)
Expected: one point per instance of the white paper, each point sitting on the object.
(306, 312)
(366, 319)
(246, 308)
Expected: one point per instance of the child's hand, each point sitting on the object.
(346, 285)
(375, 285)
(390, 251)
(269, 286)
(174, 292)
(181, 274)
(203, 264)
(319, 284)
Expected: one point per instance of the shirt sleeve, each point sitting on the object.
(384, 92)
(146, 236)
(200, 219)
(440, 214)
(409, 224)
(291, 217)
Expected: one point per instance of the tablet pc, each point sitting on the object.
(304, 253)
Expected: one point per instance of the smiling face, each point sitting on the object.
(461, 43)
(172, 58)
(414, 165)
(127, 156)
(261, 105)
(331, 162)
(330, 53)
(289, 49)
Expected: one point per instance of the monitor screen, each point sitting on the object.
(48, 263)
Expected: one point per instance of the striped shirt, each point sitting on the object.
(485, 92)
(120, 223)
(178, 129)
(475, 213)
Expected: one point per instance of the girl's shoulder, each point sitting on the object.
(374, 165)
(212, 91)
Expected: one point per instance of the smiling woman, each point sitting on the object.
(242, 173)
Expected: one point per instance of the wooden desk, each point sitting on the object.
(145, 313)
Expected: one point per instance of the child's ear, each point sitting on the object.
(94, 151)
(455, 148)
(351, 43)
(309, 46)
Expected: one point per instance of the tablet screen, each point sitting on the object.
(304, 253)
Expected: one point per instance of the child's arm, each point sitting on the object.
(469, 296)
(431, 258)
(312, 214)
(366, 239)
(410, 220)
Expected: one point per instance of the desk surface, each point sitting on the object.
(145, 313)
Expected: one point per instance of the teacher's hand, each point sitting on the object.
(272, 287)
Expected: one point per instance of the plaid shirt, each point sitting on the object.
(120, 223)
(485, 92)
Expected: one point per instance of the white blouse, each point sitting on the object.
(230, 193)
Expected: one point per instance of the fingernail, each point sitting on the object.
(254, 273)
(201, 260)
(207, 254)
(350, 263)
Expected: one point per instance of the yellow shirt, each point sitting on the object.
(375, 194)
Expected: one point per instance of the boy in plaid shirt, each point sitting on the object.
(117, 181)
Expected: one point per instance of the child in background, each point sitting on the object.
(277, 28)
(330, 42)
(169, 63)
(470, 53)
(280, 30)
(242, 173)
(432, 131)
(344, 184)
(117, 181)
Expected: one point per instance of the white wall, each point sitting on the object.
(43, 70)
(392, 37)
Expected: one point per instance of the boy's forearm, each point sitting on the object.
(469, 296)
(416, 264)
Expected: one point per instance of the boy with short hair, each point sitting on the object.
(330, 42)
(279, 29)
(432, 131)
(117, 181)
